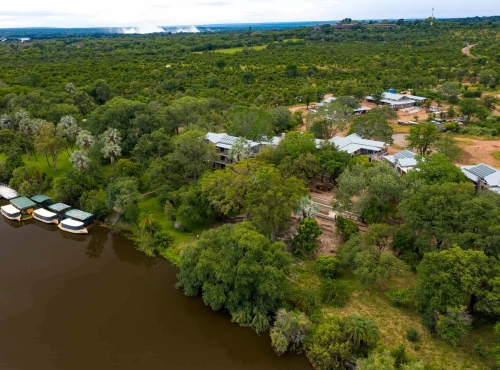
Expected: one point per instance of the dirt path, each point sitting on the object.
(466, 51)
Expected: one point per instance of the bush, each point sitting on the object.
(94, 202)
(454, 325)
(400, 355)
(346, 227)
(305, 242)
(398, 296)
(289, 331)
(412, 335)
(451, 126)
(335, 293)
(327, 266)
(307, 299)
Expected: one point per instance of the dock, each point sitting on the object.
(7, 193)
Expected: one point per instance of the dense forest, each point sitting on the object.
(116, 125)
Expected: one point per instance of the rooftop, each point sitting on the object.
(71, 222)
(79, 215)
(41, 198)
(10, 209)
(58, 207)
(490, 175)
(44, 213)
(405, 158)
(23, 203)
(354, 142)
(226, 141)
(7, 193)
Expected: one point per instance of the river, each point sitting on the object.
(94, 302)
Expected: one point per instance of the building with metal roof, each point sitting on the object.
(402, 161)
(484, 176)
(78, 215)
(355, 144)
(223, 144)
(23, 203)
(398, 101)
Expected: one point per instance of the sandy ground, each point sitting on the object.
(479, 151)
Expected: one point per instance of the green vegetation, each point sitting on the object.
(118, 127)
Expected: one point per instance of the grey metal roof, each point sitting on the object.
(228, 140)
(404, 154)
(58, 207)
(79, 215)
(40, 198)
(482, 170)
(23, 203)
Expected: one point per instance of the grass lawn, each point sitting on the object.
(234, 50)
(496, 155)
(393, 322)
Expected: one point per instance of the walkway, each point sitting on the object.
(7, 193)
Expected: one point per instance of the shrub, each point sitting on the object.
(400, 355)
(346, 228)
(335, 293)
(307, 299)
(412, 335)
(289, 331)
(305, 242)
(398, 296)
(454, 325)
(327, 266)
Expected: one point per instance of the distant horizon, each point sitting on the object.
(315, 22)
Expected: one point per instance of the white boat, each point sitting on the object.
(11, 212)
(45, 216)
(72, 226)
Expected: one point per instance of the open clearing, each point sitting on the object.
(233, 50)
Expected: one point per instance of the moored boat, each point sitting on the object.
(45, 216)
(73, 226)
(11, 212)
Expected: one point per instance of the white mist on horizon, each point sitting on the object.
(145, 28)
(191, 29)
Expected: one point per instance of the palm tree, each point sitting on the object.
(72, 130)
(240, 150)
(85, 140)
(80, 161)
(112, 135)
(113, 152)
(306, 208)
(362, 332)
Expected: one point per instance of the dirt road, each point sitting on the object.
(466, 51)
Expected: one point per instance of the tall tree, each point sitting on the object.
(329, 120)
(237, 269)
(240, 150)
(372, 126)
(111, 148)
(422, 138)
(251, 123)
(49, 141)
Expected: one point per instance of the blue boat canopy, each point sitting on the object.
(42, 198)
(79, 215)
(59, 207)
(23, 203)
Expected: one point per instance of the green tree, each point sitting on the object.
(49, 141)
(329, 348)
(450, 88)
(94, 201)
(68, 190)
(29, 181)
(101, 92)
(372, 126)
(122, 192)
(151, 237)
(465, 277)
(385, 111)
(295, 144)
(329, 120)
(308, 95)
(85, 141)
(155, 145)
(470, 108)
(289, 331)
(80, 161)
(422, 138)
(186, 111)
(251, 123)
(436, 169)
(378, 96)
(282, 119)
(237, 269)
(488, 77)
(304, 243)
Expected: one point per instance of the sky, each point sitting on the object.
(150, 13)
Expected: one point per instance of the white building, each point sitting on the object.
(402, 161)
(223, 144)
(487, 175)
(398, 101)
(355, 144)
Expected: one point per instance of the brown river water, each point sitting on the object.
(94, 302)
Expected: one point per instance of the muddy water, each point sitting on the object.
(96, 303)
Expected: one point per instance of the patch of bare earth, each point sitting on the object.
(479, 151)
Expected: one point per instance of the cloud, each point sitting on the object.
(215, 3)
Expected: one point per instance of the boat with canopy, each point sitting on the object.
(45, 216)
(72, 226)
(11, 212)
